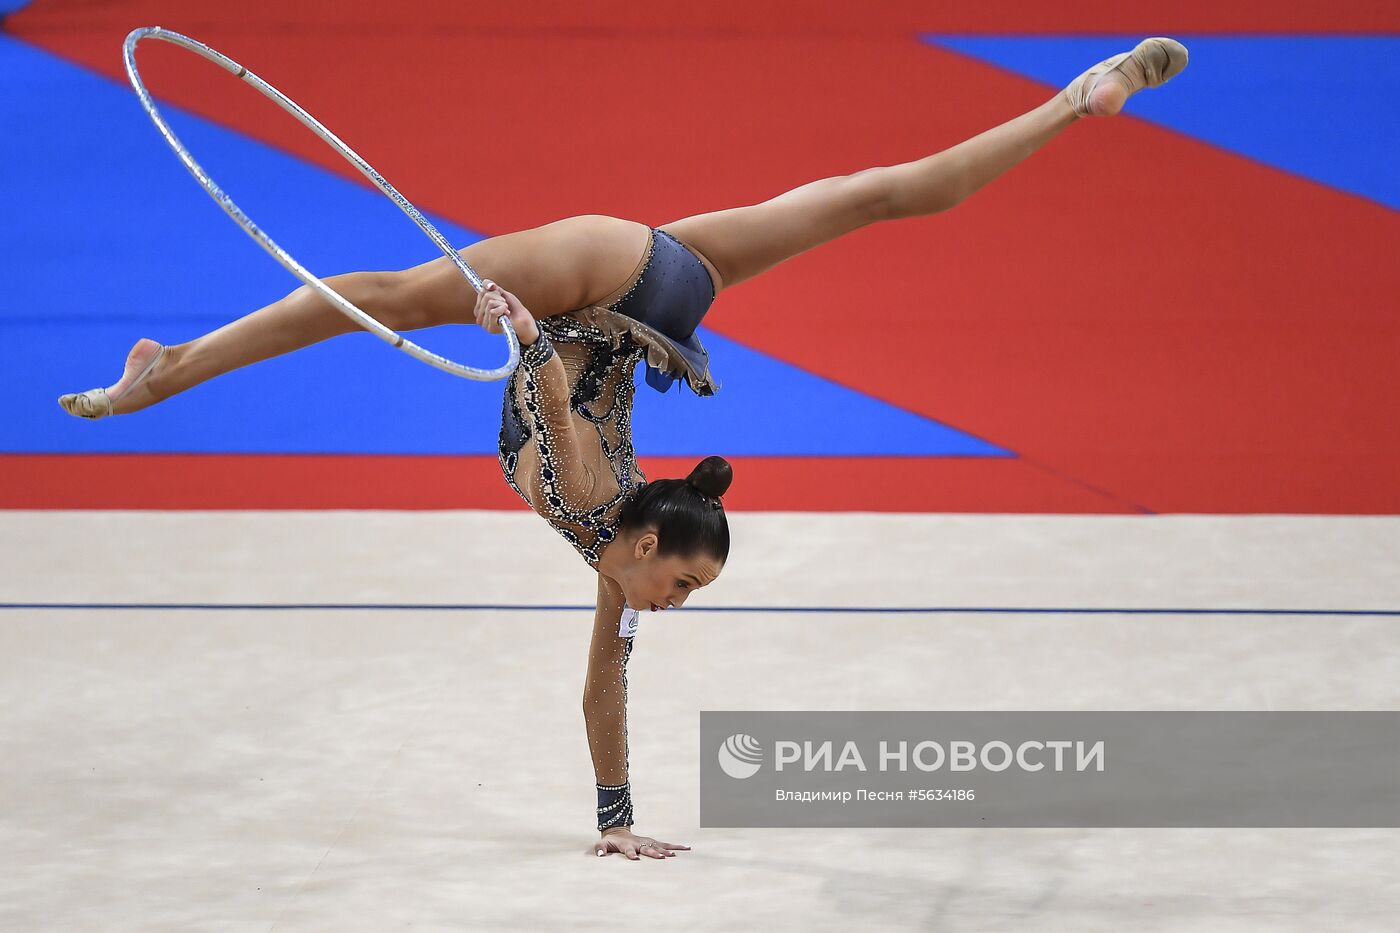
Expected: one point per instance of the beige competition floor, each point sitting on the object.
(380, 769)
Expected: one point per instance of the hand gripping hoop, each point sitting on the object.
(266, 242)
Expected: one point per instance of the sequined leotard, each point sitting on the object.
(600, 348)
(600, 391)
(549, 410)
(534, 425)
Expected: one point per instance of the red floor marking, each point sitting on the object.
(266, 481)
(1170, 323)
(730, 18)
(1177, 325)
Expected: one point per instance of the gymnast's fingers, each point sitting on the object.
(670, 846)
(492, 317)
(483, 299)
(655, 848)
(495, 306)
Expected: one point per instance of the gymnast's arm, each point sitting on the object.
(605, 709)
(563, 484)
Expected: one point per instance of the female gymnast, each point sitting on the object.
(590, 297)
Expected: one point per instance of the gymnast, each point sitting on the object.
(590, 297)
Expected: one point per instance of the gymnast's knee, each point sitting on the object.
(904, 193)
(873, 192)
(388, 297)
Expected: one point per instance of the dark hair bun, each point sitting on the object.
(711, 476)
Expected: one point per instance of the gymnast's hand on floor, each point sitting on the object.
(493, 301)
(634, 846)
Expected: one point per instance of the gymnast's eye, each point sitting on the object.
(682, 584)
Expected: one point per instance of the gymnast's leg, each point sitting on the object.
(745, 241)
(554, 268)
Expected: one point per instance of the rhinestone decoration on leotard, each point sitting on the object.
(602, 396)
(637, 279)
(615, 800)
(600, 366)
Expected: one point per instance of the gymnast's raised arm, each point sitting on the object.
(564, 483)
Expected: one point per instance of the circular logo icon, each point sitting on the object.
(740, 756)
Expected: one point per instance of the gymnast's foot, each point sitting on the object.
(1104, 89)
(131, 393)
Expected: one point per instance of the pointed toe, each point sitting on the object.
(92, 404)
(97, 403)
(1152, 63)
(1162, 59)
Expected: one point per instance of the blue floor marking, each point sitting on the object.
(834, 610)
(765, 406)
(1323, 107)
(118, 242)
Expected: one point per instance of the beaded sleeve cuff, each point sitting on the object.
(538, 353)
(614, 805)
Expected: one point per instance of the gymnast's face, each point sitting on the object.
(657, 582)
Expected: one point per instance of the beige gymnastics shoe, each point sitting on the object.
(97, 403)
(1104, 89)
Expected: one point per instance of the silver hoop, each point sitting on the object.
(266, 242)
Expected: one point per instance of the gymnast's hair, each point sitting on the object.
(688, 514)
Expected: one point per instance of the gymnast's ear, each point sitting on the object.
(645, 545)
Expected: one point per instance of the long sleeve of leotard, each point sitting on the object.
(605, 707)
(563, 483)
